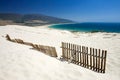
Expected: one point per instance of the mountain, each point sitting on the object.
(30, 19)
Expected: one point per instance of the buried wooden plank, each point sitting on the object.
(28, 43)
(19, 41)
(54, 53)
(47, 50)
(8, 37)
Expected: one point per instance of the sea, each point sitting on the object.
(89, 27)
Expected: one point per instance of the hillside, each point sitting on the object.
(30, 19)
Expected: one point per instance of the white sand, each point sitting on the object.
(19, 62)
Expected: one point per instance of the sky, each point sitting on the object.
(76, 10)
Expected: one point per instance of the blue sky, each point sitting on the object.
(77, 10)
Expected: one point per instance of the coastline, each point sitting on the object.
(21, 60)
(88, 27)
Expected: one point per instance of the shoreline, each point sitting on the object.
(47, 27)
(72, 31)
(18, 60)
(85, 29)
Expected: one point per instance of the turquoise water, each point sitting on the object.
(89, 27)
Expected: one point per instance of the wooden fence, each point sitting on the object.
(94, 59)
(91, 58)
(51, 51)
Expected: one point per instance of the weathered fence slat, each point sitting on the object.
(87, 57)
(67, 51)
(105, 54)
(63, 52)
(94, 59)
(98, 61)
(77, 55)
(74, 54)
(82, 56)
(80, 60)
(91, 58)
(102, 61)
(51, 51)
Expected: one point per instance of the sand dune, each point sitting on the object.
(20, 62)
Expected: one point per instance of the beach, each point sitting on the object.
(20, 62)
